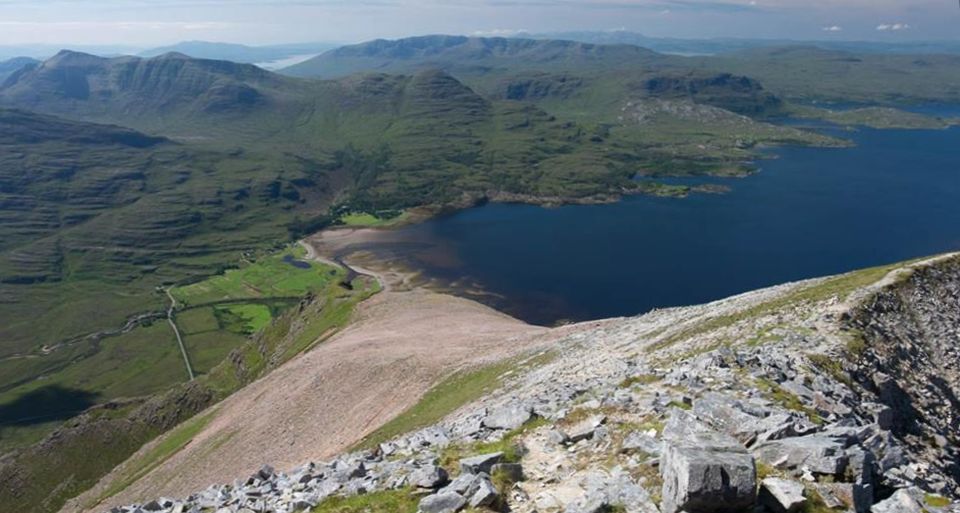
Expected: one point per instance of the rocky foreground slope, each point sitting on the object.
(836, 394)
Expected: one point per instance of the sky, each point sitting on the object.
(145, 23)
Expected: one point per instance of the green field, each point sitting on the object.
(268, 277)
(367, 220)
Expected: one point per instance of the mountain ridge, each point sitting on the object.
(461, 52)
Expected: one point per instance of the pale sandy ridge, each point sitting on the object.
(325, 400)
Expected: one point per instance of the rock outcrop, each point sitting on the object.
(836, 394)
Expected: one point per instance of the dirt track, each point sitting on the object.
(320, 403)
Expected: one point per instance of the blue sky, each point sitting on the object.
(154, 22)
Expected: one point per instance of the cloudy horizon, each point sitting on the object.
(144, 23)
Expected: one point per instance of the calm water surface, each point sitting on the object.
(809, 213)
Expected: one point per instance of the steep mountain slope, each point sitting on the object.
(8, 67)
(458, 54)
(788, 388)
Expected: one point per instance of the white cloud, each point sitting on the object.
(884, 27)
(833, 28)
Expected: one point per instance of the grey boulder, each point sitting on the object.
(705, 481)
(704, 471)
(485, 495)
(430, 476)
(443, 502)
(511, 416)
(902, 501)
(781, 495)
(817, 453)
(482, 463)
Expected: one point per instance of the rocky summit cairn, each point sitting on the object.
(782, 411)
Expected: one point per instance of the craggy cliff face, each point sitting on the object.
(910, 359)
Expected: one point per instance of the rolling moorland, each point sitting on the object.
(127, 181)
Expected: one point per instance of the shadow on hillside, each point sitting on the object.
(46, 404)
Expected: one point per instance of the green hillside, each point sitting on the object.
(97, 216)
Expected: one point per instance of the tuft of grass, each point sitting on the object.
(680, 404)
(508, 445)
(451, 393)
(936, 501)
(764, 471)
(393, 501)
(832, 366)
(639, 379)
(815, 503)
(648, 476)
(788, 400)
(856, 345)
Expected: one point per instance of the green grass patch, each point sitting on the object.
(245, 319)
(271, 276)
(453, 392)
(508, 445)
(936, 501)
(367, 220)
(393, 501)
(832, 366)
(815, 503)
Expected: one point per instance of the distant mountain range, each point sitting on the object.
(802, 73)
(726, 45)
(241, 53)
(470, 54)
